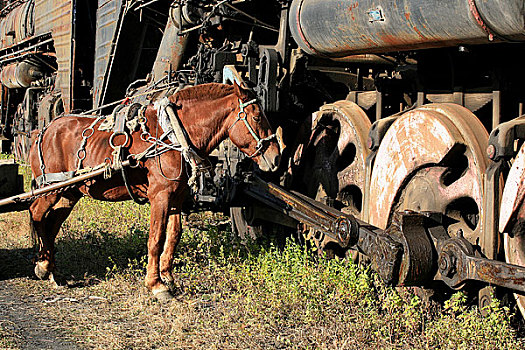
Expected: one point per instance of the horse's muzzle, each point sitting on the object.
(270, 160)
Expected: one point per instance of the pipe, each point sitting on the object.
(338, 28)
(169, 56)
(19, 75)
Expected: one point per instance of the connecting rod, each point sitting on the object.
(414, 250)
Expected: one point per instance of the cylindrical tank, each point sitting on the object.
(24, 23)
(8, 30)
(19, 75)
(170, 51)
(338, 28)
(18, 24)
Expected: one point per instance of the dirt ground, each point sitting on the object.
(24, 321)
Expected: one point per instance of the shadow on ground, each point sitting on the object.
(16, 263)
(77, 258)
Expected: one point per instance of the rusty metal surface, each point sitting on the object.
(333, 224)
(50, 14)
(417, 261)
(511, 212)
(457, 265)
(332, 159)
(7, 30)
(512, 216)
(170, 51)
(17, 25)
(432, 159)
(416, 139)
(24, 24)
(19, 75)
(412, 251)
(8, 76)
(339, 28)
(329, 161)
(504, 18)
(56, 17)
(108, 18)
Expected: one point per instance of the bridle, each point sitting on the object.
(242, 117)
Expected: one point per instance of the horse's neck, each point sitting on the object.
(207, 126)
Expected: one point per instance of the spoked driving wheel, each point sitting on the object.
(432, 159)
(512, 218)
(331, 162)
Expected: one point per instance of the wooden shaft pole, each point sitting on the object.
(57, 186)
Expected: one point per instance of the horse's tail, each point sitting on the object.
(32, 230)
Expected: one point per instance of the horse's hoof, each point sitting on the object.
(163, 296)
(41, 272)
(170, 283)
(58, 279)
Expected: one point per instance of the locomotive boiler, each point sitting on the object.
(384, 111)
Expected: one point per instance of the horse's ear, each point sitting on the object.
(240, 90)
(236, 89)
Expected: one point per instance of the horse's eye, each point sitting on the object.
(256, 118)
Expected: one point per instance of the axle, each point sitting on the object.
(414, 250)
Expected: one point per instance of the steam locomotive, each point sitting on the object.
(382, 106)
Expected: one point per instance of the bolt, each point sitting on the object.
(484, 302)
(369, 143)
(447, 264)
(342, 233)
(491, 151)
(443, 264)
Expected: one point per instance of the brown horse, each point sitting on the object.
(209, 114)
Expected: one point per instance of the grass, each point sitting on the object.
(7, 341)
(230, 296)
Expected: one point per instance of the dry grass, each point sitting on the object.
(8, 339)
(231, 297)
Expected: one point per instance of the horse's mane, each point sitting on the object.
(204, 91)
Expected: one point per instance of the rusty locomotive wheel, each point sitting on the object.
(432, 159)
(332, 160)
(512, 218)
(241, 226)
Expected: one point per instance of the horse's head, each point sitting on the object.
(250, 131)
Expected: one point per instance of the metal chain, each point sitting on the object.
(39, 141)
(86, 134)
(54, 192)
(39, 148)
(147, 137)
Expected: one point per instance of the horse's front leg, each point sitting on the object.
(48, 214)
(39, 210)
(173, 235)
(160, 204)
